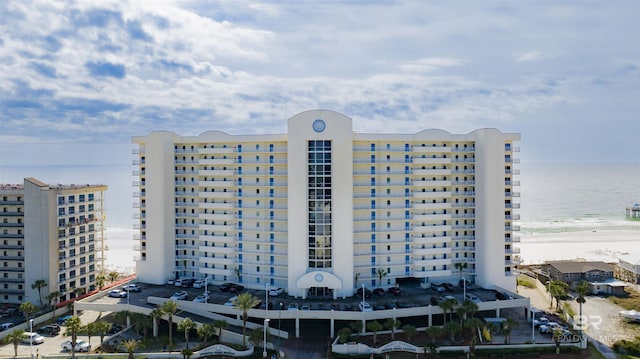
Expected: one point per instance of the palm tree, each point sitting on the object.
(433, 332)
(344, 334)
(170, 308)
(156, 314)
(100, 279)
(130, 346)
(206, 331)
(381, 274)
(448, 305)
(91, 329)
(74, 326)
(507, 328)
(461, 266)
(113, 276)
(221, 325)
(374, 326)
(451, 328)
(558, 290)
(557, 334)
(39, 284)
(356, 326)
(244, 302)
(470, 308)
(409, 330)
(256, 335)
(103, 329)
(582, 289)
(185, 326)
(52, 299)
(392, 324)
(473, 324)
(28, 308)
(15, 338)
(141, 323)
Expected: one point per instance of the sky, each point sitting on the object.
(78, 79)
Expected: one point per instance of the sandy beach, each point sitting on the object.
(606, 245)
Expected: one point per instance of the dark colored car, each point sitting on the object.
(434, 301)
(115, 328)
(63, 320)
(367, 292)
(224, 287)
(394, 290)
(51, 329)
(448, 286)
(379, 292)
(236, 288)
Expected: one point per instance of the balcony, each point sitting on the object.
(216, 150)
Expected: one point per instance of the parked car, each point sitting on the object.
(202, 298)
(306, 307)
(63, 320)
(434, 300)
(5, 326)
(437, 287)
(274, 292)
(292, 306)
(379, 292)
(548, 328)
(394, 290)
(367, 292)
(51, 329)
(80, 346)
(224, 287)
(200, 283)
(365, 307)
(117, 293)
(8, 312)
(540, 321)
(230, 301)
(236, 288)
(32, 338)
(132, 288)
(184, 282)
(181, 295)
(448, 286)
(115, 328)
(472, 297)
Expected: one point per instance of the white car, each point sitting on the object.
(202, 298)
(181, 295)
(199, 283)
(474, 298)
(229, 303)
(32, 338)
(81, 346)
(131, 288)
(292, 306)
(274, 292)
(365, 307)
(117, 293)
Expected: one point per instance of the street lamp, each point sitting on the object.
(280, 305)
(31, 337)
(128, 313)
(206, 292)
(363, 320)
(264, 350)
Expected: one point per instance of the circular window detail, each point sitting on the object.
(319, 278)
(319, 125)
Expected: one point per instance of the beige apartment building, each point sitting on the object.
(50, 232)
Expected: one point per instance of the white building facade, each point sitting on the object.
(323, 210)
(50, 233)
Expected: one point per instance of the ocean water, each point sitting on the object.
(567, 211)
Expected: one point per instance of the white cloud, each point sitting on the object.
(532, 56)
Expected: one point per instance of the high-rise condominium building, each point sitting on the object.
(323, 209)
(53, 235)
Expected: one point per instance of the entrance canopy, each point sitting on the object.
(319, 279)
